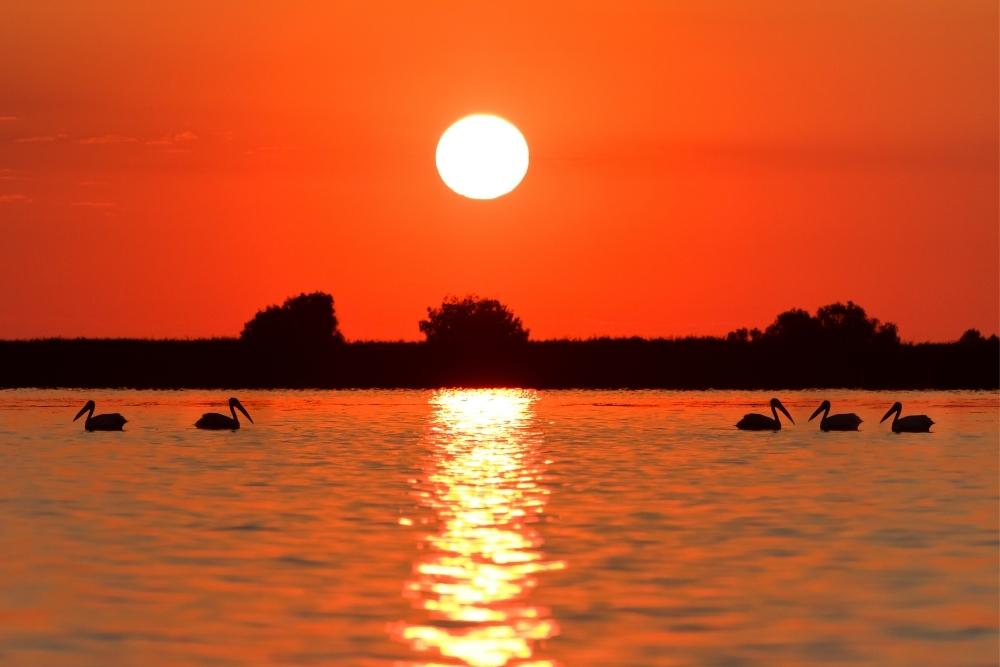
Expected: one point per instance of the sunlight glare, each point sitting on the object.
(473, 579)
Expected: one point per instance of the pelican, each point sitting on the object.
(110, 422)
(756, 422)
(845, 422)
(908, 424)
(213, 421)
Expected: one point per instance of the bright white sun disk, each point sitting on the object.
(482, 156)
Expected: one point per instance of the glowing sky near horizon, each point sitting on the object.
(168, 169)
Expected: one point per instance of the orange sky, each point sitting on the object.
(696, 166)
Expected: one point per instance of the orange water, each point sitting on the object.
(493, 528)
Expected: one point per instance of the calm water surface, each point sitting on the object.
(493, 528)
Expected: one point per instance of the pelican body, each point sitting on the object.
(844, 422)
(109, 422)
(909, 423)
(757, 422)
(213, 421)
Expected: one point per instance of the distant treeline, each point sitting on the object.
(478, 342)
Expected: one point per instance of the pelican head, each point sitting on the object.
(88, 407)
(896, 407)
(235, 403)
(825, 405)
(776, 404)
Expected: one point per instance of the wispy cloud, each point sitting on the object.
(95, 204)
(175, 138)
(40, 139)
(271, 149)
(7, 119)
(105, 139)
(172, 140)
(15, 199)
(7, 175)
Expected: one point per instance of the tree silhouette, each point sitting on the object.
(794, 326)
(971, 337)
(479, 343)
(305, 321)
(849, 320)
(848, 324)
(744, 335)
(472, 323)
(835, 325)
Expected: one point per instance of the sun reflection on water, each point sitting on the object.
(473, 581)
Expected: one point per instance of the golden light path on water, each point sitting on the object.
(472, 583)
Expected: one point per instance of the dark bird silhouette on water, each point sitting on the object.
(757, 422)
(109, 422)
(213, 421)
(909, 423)
(845, 422)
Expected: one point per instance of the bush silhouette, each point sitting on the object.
(304, 321)
(473, 323)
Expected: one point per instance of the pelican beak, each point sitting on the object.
(82, 411)
(239, 406)
(785, 412)
(818, 410)
(891, 410)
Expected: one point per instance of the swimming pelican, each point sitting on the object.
(908, 424)
(844, 422)
(109, 422)
(213, 421)
(756, 422)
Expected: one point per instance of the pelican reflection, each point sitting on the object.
(483, 483)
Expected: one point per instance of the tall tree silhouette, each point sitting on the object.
(473, 323)
(304, 321)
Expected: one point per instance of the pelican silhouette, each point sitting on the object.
(109, 422)
(756, 422)
(844, 422)
(213, 421)
(908, 424)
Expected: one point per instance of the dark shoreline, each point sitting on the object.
(620, 363)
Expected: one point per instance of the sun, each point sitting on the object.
(482, 156)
